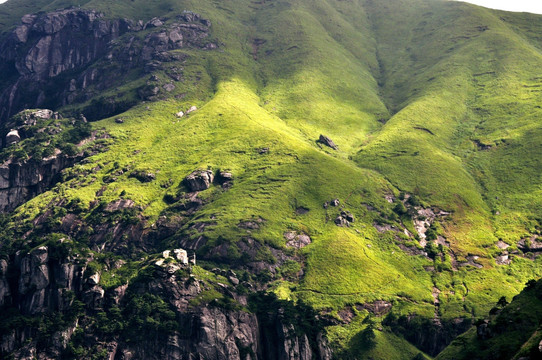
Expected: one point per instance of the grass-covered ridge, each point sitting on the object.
(436, 99)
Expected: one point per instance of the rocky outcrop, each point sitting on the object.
(12, 137)
(44, 48)
(296, 240)
(50, 279)
(5, 293)
(328, 142)
(199, 180)
(43, 281)
(19, 182)
(426, 334)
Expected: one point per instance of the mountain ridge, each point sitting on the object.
(430, 103)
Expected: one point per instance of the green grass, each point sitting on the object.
(405, 88)
(515, 332)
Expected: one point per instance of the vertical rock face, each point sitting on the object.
(47, 284)
(44, 46)
(19, 182)
(48, 46)
(43, 281)
(5, 293)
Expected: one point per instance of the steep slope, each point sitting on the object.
(512, 331)
(401, 232)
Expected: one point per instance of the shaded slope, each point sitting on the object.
(512, 332)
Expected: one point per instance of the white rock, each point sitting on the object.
(181, 255)
(94, 279)
(13, 137)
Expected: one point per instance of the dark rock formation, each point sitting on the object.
(60, 54)
(328, 142)
(20, 182)
(224, 178)
(199, 180)
(483, 331)
(47, 284)
(426, 334)
(12, 137)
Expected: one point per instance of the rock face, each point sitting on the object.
(5, 294)
(20, 182)
(295, 240)
(47, 284)
(199, 180)
(328, 142)
(45, 47)
(12, 137)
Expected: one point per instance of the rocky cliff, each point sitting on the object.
(66, 56)
(50, 283)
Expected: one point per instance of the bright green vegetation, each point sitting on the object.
(513, 330)
(432, 98)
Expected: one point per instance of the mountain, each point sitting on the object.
(264, 179)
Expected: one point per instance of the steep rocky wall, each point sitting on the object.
(19, 182)
(52, 59)
(44, 46)
(44, 283)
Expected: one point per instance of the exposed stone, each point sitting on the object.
(143, 176)
(119, 121)
(348, 216)
(120, 204)
(94, 298)
(192, 109)
(251, 224)
(503, 259)
(13, 137)
(180, 114)
(5, 292)
(301, 210)
(502, 245)
(328, 142)
(297, 240)
(341, 221)
(46, 45)
(181, 255)
(169, 87)
(483, 331)
(154, 22)
(94, 279)
(224, 178)
(335, 202)
(44, 114)
(199, 180)
(379, 307)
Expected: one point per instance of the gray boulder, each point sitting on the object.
(199, 180)
(328, 142)
(13, 137)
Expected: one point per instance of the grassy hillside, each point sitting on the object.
(511, 332)
(437, 100)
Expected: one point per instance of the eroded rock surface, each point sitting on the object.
(45, 46)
